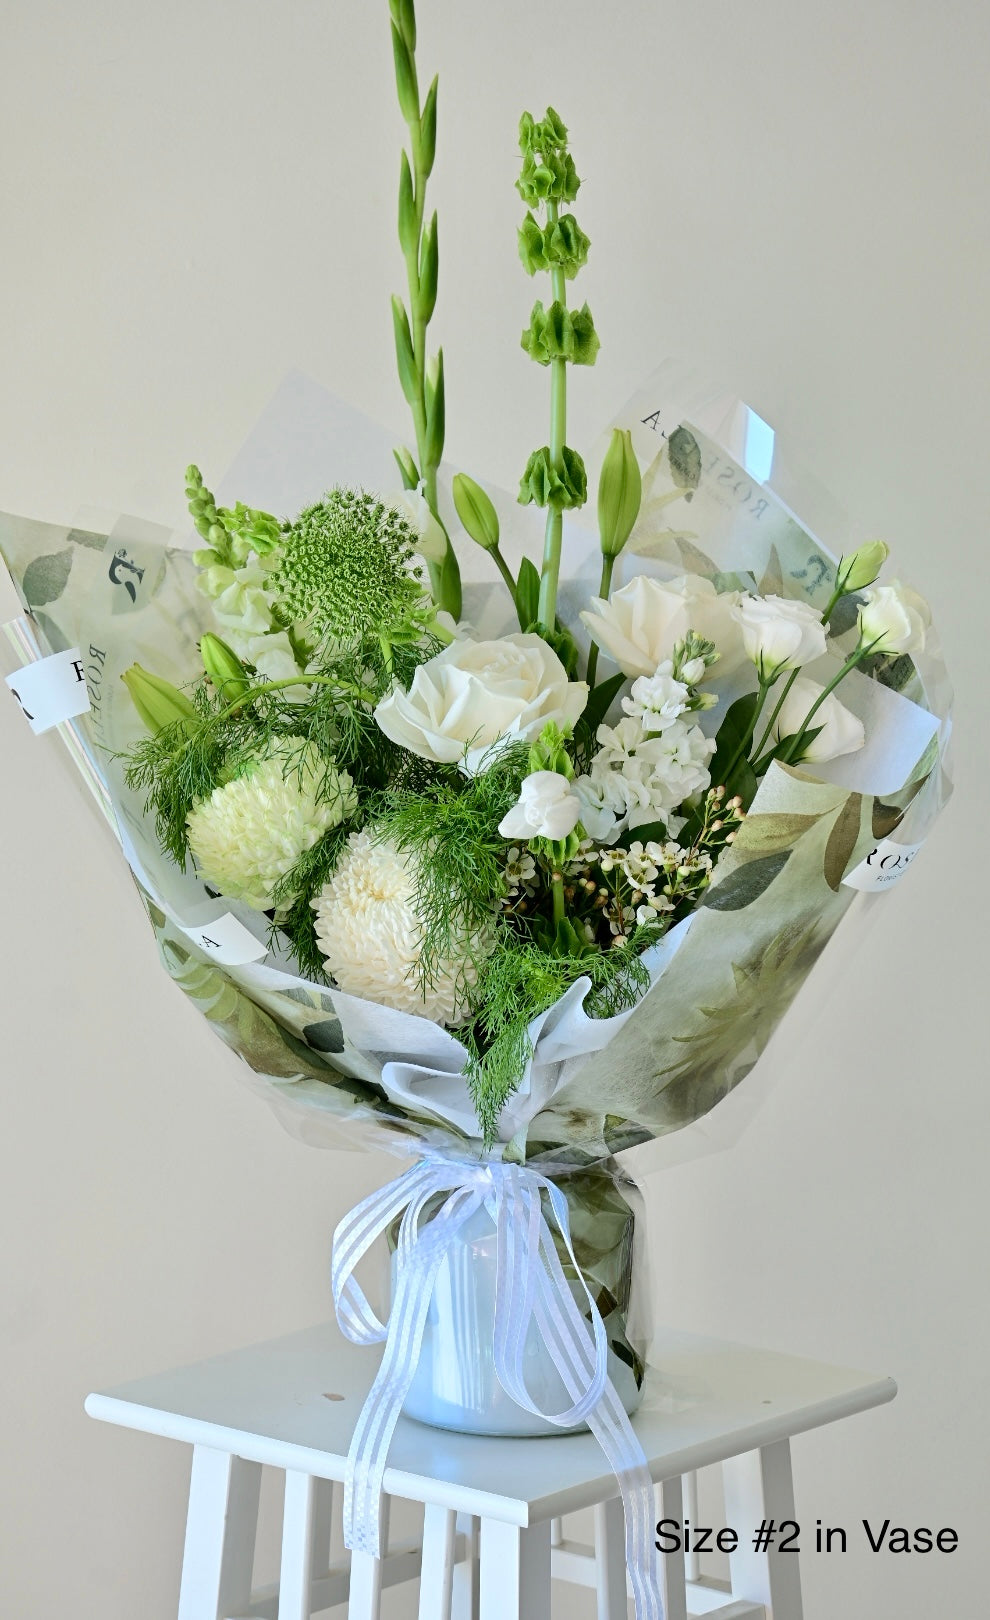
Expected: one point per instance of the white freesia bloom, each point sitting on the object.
(779, 634)
(547, 807)
(432, 542)
(640, 625)
(841, 731)
(894, 618)
(636, 778)
(248, 834)
(371, 935)
(477, 695)
(658, 700)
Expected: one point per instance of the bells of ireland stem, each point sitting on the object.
(223, 667)
(620, 491)
(158, 702)
(862, 568)
(476, 512)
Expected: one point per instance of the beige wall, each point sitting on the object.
(196, 197)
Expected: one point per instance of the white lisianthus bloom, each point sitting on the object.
(640, 625)
(658, 700)
(371, 935)
(476, 696)
(894, 619)
(636, 778)
(841, 731)
(779, 634)
(547, 807)
(248, 834)
(432, 542)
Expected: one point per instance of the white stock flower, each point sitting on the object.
(476, 695)
(635, 778)
(658, 700)
(779, 634)
(894, 618)
(432, 542)
(640, 625)
(841, 731)
(247, 835)
(547, 807)
(371, 935)
(243, 604)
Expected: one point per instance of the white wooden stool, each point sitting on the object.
(492, 1536)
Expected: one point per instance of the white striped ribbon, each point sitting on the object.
(530, 1287)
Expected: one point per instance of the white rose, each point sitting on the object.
(779, 634)
(641, 624)
(841, 732)
(894, 618)
(476, 695)
(547, 807)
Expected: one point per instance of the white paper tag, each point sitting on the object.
(51, 690)
(226, 940)
(885, 863)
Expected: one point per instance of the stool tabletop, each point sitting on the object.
(292, 1403)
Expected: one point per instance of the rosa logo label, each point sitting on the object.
(884, 865)
(123, 571)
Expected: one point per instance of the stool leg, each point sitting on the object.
(671, 1565)
(365, 1598)
(610, 1560)
(298, 1523)
(759, 1486)
(437, 1575)
(515, 1571)
(220, 1532)
(465, 1601)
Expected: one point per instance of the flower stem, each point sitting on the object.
(608, 565)
(827, 612)
(553, 536)
(557, 890)
(747, 737)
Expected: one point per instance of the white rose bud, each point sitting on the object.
(779, 634)
(476, 696)
(841, 731)
(893, 619)
(547, 807)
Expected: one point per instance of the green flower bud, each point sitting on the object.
(405, 78)
(532, 251)
(158, 702)
(404, 353)
(435, 409)
(559, 333)
(407, 468)
(223, 667)
(567, 246)
(620, 491)
(543, 485)
(862, 568)
(207, 558)
(428, 130)
(429, 261)
(407, 207)
(476, 512)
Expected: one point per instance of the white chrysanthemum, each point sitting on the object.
(371, 935)
(247, 835)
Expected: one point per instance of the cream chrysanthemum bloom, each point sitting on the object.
(247, 835)
(371, 935)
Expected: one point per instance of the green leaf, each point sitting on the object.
(404, 354)
(428, 130)
(884, 818)
(842, 840)
(405, 78)
(45, 578)
(407, 207)
(527, 594)
(435, 415)
(429, 269)
(768, 834)
(599, 702)
(733, 733)
(746, 883)
(685, 458)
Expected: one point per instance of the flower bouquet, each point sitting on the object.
(484, 832)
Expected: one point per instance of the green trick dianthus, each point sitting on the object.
(347, 569)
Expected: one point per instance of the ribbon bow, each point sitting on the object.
(530, 1287)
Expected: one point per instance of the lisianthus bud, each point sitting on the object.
(620, 491)
(547, 807)
(862, 568)
(157, 701)
(223, 667)
(894, 619)
(476, 512)
(779, 634)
